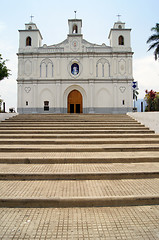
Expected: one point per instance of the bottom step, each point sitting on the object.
(79, 193)
(80, 202)
(79, 176)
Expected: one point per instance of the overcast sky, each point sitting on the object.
(98, 17)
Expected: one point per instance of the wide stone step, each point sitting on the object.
(73, 120)
(79, 202)
(76, 193)
(78, 176)
(80, 148)
(70, 116)
(79, 141)
(78, 136)
(80, 168)
(73, 128)
(78, 171)
(81, 117)
(77, 157)
(119, 131)
(87, 124)
(78, 125)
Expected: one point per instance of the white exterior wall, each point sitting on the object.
(44, 74)
(98, 96)
(59, 69)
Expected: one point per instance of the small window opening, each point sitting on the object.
(30, 28)
(121, 40)
(46, 105)
(120, 27)
(142, 106)
(75, 29)
(28, 41)
(27, 103)
(123, 102)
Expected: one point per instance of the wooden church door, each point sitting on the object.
(74, 104)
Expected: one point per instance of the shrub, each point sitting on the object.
(152, 99)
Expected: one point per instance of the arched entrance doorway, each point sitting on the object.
(74, 102)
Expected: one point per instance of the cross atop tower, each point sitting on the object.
(75, 13)
(31, 17)
(118, 17)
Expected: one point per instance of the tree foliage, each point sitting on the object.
(4, 71)
(152, 99)
(154, 41)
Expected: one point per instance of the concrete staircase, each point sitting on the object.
(77, 161)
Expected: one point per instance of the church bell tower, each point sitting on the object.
(75, 27)
(119, 36)
(30, 37)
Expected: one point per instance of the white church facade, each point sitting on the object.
(75, 76)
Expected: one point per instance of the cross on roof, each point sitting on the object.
(75, 14)
(118, 17)
(31, 17)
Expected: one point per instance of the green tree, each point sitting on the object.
(4, 71)
(157, 102)
(154, 41)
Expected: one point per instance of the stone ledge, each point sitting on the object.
(4, 116)
(149, 119)
(79, 202)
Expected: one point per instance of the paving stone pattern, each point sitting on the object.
(78, 177)
(140, 222)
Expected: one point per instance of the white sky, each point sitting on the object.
(98, 17)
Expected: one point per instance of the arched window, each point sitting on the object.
(75, 29)
(28, 41)
(121, 40)
(46, 68)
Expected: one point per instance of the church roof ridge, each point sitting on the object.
(58, 44)
(95, 44)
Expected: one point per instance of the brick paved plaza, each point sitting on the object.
(139, 222)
